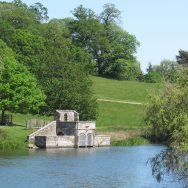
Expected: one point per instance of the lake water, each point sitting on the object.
(112, 167)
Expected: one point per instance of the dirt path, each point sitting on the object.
(123, 102)
(122, 135)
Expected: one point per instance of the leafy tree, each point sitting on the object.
(40, 11)
(110, 14)
(167, 114)
(120, 46)
(19, 91)
(182, 58)
(64, 77)
(17, 14)
(108, 44)
(170, 161)
(169, 70)
(82, 13)
(153, 76)
(29, 49)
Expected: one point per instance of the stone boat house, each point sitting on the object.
(67, 131)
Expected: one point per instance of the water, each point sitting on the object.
(113, 167)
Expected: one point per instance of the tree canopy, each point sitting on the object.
(19, 91)
(60, 54)
(167, 113)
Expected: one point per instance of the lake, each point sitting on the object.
(110, 167)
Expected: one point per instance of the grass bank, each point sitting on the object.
(124, 122)
(123, 90)
(119, 117)
(15, 137)
(132, 141)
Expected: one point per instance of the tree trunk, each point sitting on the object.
(2, 117)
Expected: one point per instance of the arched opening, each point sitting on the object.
(82, 140)
(89, 140)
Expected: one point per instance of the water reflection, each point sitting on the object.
(170, 162)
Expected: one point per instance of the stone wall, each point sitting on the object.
(47, 130)
(102, 140)
(55, 141)
(86, 125)
(66, 115)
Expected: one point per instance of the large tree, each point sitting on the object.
(105, 40)
(19, 91)
(182, 58)
(64, 78)
(167, 113)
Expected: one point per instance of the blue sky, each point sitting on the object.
(159, 25)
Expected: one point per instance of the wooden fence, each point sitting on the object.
(36, 123)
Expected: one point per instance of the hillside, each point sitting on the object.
(122, 90)
(114, 114)
(117, 113)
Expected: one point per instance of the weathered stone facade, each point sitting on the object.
(68, 131)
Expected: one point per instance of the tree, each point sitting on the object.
(169, 70)
(167, 114)
(40, 11)
(19, 91)
(29, 49)
(108, 44)
(170, 161)
(153, 75)
(64, 78)
(110, 14)
(17, 14)
(182, 58)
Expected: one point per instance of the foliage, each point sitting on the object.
(170, 162)
(167, 70)
(46, 49)
(152, 75)
(182, 58)
(167, 114)
(15, 138)
(170, 70)
(18, 88)
(109, 14)
(111, 48)
(64, 78)
(29, 49)
(132, 141)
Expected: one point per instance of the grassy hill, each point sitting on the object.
(117, 116)
(120, 119)
(122, 90)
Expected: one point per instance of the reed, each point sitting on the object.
(132, 141)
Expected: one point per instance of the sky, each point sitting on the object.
(159, 25)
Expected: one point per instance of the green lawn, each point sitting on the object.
(113, 117)
(14, 137)
(123, 90)
(119, 117)
(21, 119)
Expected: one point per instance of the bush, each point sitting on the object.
(167, 114)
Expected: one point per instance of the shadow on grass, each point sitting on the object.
(13, 125)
